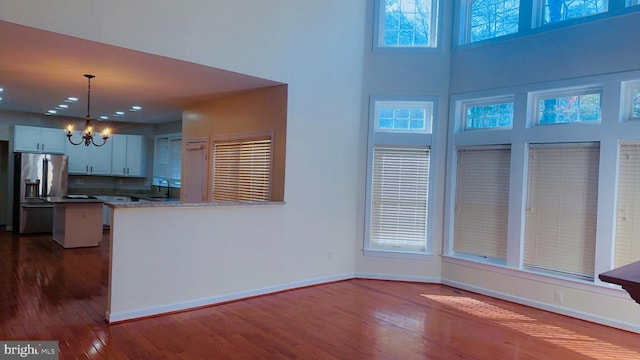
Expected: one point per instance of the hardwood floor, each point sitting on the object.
(47, 293)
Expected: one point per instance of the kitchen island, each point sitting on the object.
(77, 220)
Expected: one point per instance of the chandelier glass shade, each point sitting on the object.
(88, 134)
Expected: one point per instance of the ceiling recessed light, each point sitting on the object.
(104, 117)
(1, 89)
(135, 108)
(71, 99)
(52, 111)
(119, 113)
(63, 106)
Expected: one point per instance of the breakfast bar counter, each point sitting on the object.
(77, 220)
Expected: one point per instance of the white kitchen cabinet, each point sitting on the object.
(39, 139)
(89, 160)
(128, 155)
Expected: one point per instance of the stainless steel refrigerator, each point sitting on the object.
(37, 176)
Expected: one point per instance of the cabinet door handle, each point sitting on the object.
(37, 146)
(42, 147)
(124, 171)
(86, 168)
(92, 169)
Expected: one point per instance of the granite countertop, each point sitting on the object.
(176, 203)
(72, 199)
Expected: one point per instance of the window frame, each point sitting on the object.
(156, 178)
(538, 13)
(484, 102)
(400, 140)
(538, 96)
(378, 30)
(465, 23)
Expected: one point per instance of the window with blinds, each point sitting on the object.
(242, 170)
(560, 230)
(167, 160)
(482, 201)
(627, 243)
(399, 197)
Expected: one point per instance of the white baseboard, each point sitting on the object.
(192, 304)
(396, 277)
(545, 306)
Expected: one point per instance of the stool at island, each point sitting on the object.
(77, 220)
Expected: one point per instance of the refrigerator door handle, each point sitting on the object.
(45, 177)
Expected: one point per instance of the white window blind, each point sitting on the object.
(482, 202)
(167, 160)
(175, 149)
(400, 187)
(627, 245)
(242, 170)
(560, 229)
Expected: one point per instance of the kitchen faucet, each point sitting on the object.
(168, 194)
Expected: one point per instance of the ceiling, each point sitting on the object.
(40, 69)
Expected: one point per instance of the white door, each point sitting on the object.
(194, 172)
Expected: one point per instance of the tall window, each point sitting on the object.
(568, 107)
(167, 160)
(560, 230)
(559, 10)
(486, 19)
(242, 169)
(627, 248)
(407, 23)
(482, 201)
(398, 176)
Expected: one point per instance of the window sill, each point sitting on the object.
(478, 263)
(398, 254)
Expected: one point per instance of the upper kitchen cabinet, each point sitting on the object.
(128, 155)
(91, 160)
(39, 140)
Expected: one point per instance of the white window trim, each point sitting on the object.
(400, 139)
(378, 31)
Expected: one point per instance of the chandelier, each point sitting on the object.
(88, 134)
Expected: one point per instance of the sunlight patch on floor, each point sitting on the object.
(568, 339)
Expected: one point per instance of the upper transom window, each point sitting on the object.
(568, 107)
(407, 23)
(559, 10)
(403, 116)
(494, 113)
(487, 19)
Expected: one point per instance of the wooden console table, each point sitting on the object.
(627, 276)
